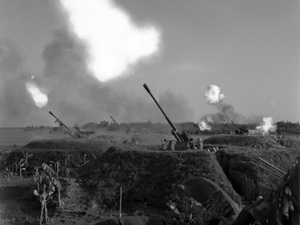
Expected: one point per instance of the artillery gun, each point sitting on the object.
(83, 133)
(125, 129)
(69, 131)
(113, 119)
(239, 130)
(183, 141)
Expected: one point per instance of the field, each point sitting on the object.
(110, 163)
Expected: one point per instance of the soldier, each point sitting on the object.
(199, 144)
(191, 143)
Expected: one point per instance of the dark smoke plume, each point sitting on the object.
(74, 95)
(225, 112)
(15, 104)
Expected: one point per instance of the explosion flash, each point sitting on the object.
(267, 126)
(113, 41)
(204, 126)
(40, 99)
(213, 94)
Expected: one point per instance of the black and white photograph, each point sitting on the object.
(139, 112)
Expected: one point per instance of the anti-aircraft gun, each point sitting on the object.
(239, 130)
(71, 133)
(184, 140)
(83, 133)
(125, 129)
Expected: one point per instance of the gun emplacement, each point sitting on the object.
(113, 119)
(179, 137)
(72, 134)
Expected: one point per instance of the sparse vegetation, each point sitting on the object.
(45, 187)
(82, 178)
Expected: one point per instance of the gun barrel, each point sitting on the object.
(52, 114)
(61, 123)
(169, 121)
(113, 119)
(236, 127)
(147, 88)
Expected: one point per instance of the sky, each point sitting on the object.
(89, 59)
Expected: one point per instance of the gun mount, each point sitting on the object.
(183, 140)
(71, 133)
(126, 129)
(239, 130)
(83, 133)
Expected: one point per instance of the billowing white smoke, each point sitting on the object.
(267, 126)
(113, 41)
(213, 94)
(204, 126)
(40, 99)
(225, 112)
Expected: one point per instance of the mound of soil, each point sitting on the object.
(137, 138)
(244, 168)
(68, 144)
(290, 142)
(68, 152)
(257, 142)
(147, 177)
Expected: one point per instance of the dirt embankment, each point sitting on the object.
(147, 177)
(68, 152)
(68, 144)
(242, 159)
(247, 171)
(253, 142)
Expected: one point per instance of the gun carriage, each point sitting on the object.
(183, 141)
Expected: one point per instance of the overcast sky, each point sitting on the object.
(249, 48)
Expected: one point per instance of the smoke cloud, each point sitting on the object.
(76, 62)
(203, 126)
(213, 94)
(13, 102)
(225, 111)
(73, 95)
(82, 98)
(113, 41)
(39, 98)
(267, 126)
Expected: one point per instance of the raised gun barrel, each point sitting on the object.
(113, 119)
(239, 130)
(174, 131)
(62, 124)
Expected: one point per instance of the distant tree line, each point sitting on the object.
(288, 127)
(32, 127)
(190, 127)
(165, 128)
(130, 127)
